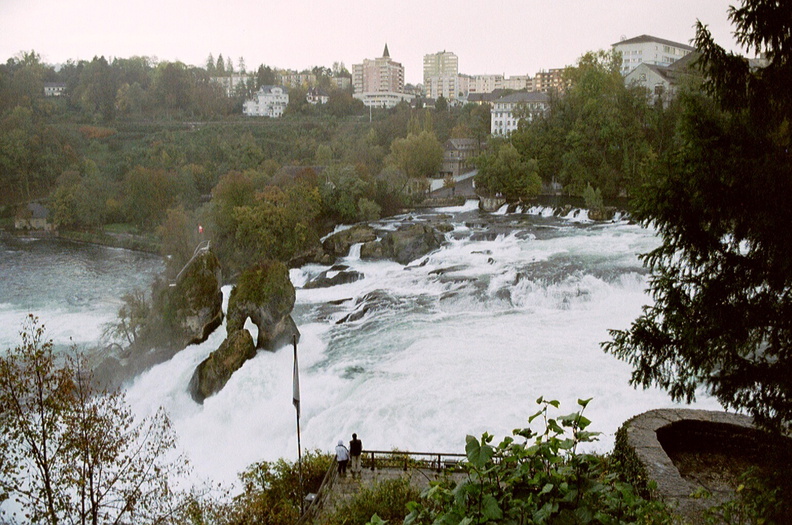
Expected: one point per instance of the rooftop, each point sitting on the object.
(643, 39)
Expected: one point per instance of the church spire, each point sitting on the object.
(385, 53)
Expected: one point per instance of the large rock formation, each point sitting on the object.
(215, 371)
(405, 244)
(265, 294)
(194, 302)
(183, 312)
(338, 244)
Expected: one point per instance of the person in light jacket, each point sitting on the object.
(342, 457)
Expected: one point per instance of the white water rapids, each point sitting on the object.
(514, 306)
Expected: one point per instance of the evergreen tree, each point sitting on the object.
(722, 277)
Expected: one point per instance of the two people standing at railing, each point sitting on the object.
(343, 456)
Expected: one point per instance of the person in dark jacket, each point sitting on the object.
(355, 450)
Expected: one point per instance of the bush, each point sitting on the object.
(386, 499)
(541, 480)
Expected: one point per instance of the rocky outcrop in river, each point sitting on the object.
(215, 371)
(338, 244)
(265, 295)
(184, 312)
(405, 244)
(195, 300)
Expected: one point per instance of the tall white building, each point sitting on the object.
(440, 75)
(269, 101)
(647, 49)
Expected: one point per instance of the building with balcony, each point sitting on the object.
(550, 81)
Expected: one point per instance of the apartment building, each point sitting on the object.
(646, 49)
(441, 75)
(381, 74)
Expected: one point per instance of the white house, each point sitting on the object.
(269, 101)
(383, 99)
(655, 79)
(507, 111)
(647, 49)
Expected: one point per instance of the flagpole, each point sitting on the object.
(296, 400)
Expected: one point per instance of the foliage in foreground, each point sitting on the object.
(271, 493)
(70, 454)
(536, 478)
(386, 499)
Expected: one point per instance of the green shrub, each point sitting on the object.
(386, 499)
(539, 480)
(271, 494)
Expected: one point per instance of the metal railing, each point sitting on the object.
(439, 461)
(202, 247)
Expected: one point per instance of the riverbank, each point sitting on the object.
(127, 241)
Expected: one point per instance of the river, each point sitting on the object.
(514, 306)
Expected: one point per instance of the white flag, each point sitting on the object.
(296, 382)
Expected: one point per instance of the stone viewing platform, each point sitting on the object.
(691, 452)
(377, 466)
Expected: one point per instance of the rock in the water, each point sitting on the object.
(411, 242)
(336, 275)
(195, 300)
(339, 243)
(602, 214)
(215, 371)
(405, 244)
(265, 294)
(372, 251)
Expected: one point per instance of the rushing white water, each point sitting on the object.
(512, 307)
(460, 342)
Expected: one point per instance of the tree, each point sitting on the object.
(343, 191)
(148, 195)
(419, 154)
(722, 277)
(506, 172)
(70, 454)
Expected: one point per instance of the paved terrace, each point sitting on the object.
(419, 467)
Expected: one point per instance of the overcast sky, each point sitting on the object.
(511, 37)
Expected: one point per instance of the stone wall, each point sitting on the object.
(688, 452)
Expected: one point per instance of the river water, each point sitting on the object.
(462, 341)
